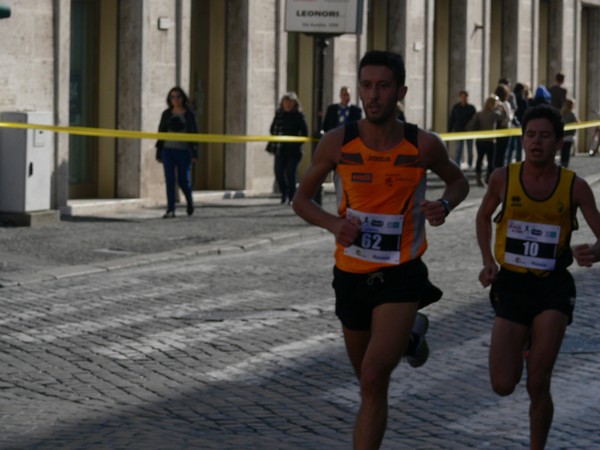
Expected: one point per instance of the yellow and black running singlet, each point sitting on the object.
(383, 189)
(534, 235)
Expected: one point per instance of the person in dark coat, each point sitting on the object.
(341, 113)
(460, 115)
(288, 121)
(177, 156)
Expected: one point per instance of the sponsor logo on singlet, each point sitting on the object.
(361, 177)
(379, 158)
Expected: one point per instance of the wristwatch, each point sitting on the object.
(446, 205)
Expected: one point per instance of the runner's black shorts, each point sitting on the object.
(357, 294)
(519, 297)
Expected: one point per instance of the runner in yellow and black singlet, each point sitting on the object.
(533, 293)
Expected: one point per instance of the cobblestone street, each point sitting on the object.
(239, 348)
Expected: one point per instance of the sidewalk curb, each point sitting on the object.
(224, 247)
(212, 249)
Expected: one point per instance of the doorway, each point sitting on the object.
(92, 97)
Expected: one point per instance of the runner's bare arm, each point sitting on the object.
(324, 161)
(587, 254)
(489, 203)
(435, 157)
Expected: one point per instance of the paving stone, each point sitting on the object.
(219, 332)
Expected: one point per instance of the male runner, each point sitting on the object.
(533, 294)
(379, 279)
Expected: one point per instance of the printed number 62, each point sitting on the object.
(372, 241)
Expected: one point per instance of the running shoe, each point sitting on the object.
(420, 353)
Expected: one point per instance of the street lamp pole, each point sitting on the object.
(321, 42)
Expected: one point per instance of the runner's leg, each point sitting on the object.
(547, 333)
(390, 331)
(506, 355)
(356, 347)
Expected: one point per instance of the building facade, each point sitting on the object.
(110, 63)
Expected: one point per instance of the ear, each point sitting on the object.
(402, 93)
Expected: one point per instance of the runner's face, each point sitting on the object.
(540, 143)
(379, 93)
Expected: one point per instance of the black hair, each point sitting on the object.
(519, 89)
(545, 112)
(502, 92)
(181, 92)
(391, 60)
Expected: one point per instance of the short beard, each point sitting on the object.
(377, 120)
(383, 118)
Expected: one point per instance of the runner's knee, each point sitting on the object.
(374, 380)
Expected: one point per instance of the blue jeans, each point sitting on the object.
(459, 152)
(286, 169)
(514, 146)
(177, 162)
(485, 149)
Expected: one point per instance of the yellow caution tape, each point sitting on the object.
(238, 139)
(128, 134)
(465, 135)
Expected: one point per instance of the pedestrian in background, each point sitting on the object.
(341, 113)
(533, 293)
(558, 92)
(177, 156)
(514, 145)
(512, 98)
(486, 119)
(568, 115)
(506, 114)
(288, 121)
(460, 115)
(541, 96)
(380, 280)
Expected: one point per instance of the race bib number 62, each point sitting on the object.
(378, 239)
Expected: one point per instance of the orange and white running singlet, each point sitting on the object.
(383, 189)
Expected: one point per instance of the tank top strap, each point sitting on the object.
(350, 132)
(411, 134)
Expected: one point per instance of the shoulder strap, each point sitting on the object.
(515, 170)
(350, 132)
(411, 134)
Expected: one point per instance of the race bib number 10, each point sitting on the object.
(531, 245)
(379, 237)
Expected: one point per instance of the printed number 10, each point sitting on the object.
(531, 248)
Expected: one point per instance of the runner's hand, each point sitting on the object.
(347, 230)
(584, 255)
(488, 274)
(434, 212)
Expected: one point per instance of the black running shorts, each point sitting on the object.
(357, 294)
(520, 297)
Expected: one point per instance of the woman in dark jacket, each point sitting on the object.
(289, 121)
(177, 156)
